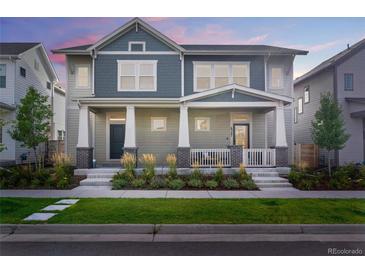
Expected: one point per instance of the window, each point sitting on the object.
(36, 64)
(300, 105)
(202, 124)
(60, 134)
(306, 94)
(82, 76)
(23, 72)
(349, 81)
(136, 46)
(2, 75)
(295, 115)
(48, 85)
(277, 78)
(209, 75)
(158, 124)
(137, 75)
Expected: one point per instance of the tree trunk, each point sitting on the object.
(329, 163)
(36, 157)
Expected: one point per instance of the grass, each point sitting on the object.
(186, 211)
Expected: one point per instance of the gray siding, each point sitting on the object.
(286, 63)
(257, 69)
(258, 130)
(227, 97)
(353, 151)
(152, 43)
(168, 76)
(318, 85)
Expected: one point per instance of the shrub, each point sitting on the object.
(119, 183)
(196, 183)
(138, 183)
(158, 183)
(176, 184)
(128, 161)
(219, 175)
(171, 162)
(248, 185)
(196, 174)
(211, 184)
(149, 162)
(242, 174)
(231, 183)
(63, 169)
(295, 176)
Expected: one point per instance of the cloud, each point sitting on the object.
(211, 34)
(156, 19)
(323, 46)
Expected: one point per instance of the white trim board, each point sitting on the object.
(138, 53)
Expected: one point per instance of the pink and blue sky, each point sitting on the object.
(322, 37)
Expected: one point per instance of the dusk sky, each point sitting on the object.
(322, 37)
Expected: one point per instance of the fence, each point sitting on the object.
(211, 157)
(306, 155)
(259, 157)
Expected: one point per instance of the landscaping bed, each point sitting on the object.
(128, 179)
(191, 211)
(349, 177)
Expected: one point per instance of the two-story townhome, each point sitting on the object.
(342, 75)
(138, 91)
(23, 65)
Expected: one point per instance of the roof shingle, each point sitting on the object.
(15, 48)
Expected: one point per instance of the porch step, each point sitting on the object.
(101, 175)
(96, 182)
(272, 182)
(264, 174)
(103, 171)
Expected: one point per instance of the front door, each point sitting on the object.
(241, 134)
(117, 133)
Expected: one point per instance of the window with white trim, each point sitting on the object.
(82, 76)
(277, 78)
(208, 75)
(300, 105)
(137, 46)
(137, 75)
(306, 94)
(202, 124)
(60, 135)
(2, 75)
(295, 115)
(158, 124)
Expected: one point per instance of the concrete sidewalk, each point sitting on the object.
(181, 233)
(106, 192)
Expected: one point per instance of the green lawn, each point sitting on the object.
(185, 211)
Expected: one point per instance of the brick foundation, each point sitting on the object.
(84, 157)
(183, 157)
(236, 155)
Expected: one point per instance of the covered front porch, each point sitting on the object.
(201, 132)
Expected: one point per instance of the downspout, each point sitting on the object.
(93, 57)
(53, 112)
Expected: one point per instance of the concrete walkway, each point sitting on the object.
(106, 192)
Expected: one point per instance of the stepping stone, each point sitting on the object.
(40, 216)
(55, 207)
(68, 201)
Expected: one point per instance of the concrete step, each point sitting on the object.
(96, 182)
(103, 170)
(264, 174)
(275, 179)
(261, 169)
(101, 175)
(274, 185)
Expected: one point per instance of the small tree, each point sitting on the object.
(328, 128)
(32, 123)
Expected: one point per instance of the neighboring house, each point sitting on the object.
(23, 65)
(343, 75)
(138, 91)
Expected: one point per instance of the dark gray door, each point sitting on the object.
(117, 133)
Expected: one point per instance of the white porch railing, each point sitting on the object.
(210, 157)
(259, 157)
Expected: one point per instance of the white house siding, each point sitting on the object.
(354, 149)
(9, 153)
(319, 84)
(72, 110)
(59, 101)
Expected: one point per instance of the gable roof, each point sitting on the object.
(15, 48)
(186, 49)
(331, 61)
(238, 88)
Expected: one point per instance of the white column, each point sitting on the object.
(280, 127)
(84, 127)
(130, 128)
(184, 127)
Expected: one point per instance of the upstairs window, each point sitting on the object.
(137, 46)
(295, 115)
(48, 85)
(208, 75)
(300, 105)
(306, 95)
(2, 75)
(82, 76)
(137, 75)
(23, 72)
(349, 81)
(277, 78)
